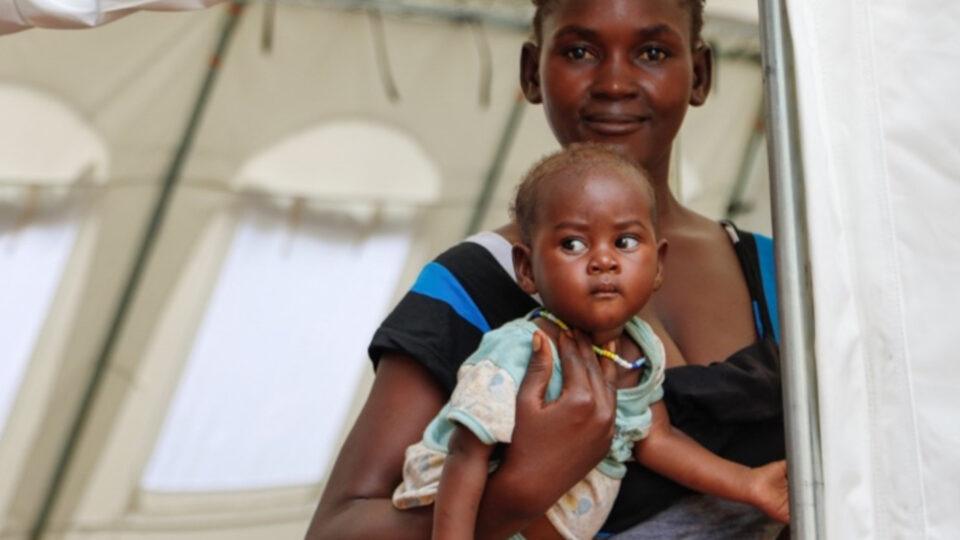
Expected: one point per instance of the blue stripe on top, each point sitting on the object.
(436, 282)
(757, 320)
(768, 276)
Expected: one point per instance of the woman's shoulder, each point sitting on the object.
(738, 235)
(485, 253)
(477, 272)
(461, 294)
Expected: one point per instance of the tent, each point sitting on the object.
(273, 177)
(306, 159)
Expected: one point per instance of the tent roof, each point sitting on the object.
(20, 14)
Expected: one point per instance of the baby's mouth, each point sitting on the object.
(605, 288)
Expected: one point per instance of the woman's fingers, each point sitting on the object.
(600, 392)
(534, 385)
(586, 386)
(560, 441)
(583, 384)
(603, 388)
(572, 362)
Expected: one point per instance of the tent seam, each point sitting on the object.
(894, 258)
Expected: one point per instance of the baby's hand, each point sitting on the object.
(769, 490)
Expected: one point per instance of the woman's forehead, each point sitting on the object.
(616, 15)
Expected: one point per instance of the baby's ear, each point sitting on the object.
(523, 267)
(661, 257)
(530, 72)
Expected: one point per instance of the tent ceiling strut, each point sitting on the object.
(101, 362)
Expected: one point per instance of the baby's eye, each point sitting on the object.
(627, 242)
(573, 245)
(653, 54)
(578, 52)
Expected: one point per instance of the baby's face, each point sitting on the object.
(595, 255)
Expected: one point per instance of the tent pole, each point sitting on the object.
(147, 244)
(496, 167)
(801, 410)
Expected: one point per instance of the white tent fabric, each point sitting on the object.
(32, 260)
(881, 142)
(130, 86)
(22, 14)
(880, 135)
(229, 389)
(18, 15)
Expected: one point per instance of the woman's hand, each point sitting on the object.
(769, 490)
(555, 444)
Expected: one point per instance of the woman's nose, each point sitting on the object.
(615, 79)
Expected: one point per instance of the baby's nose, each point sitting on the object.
(604, 262)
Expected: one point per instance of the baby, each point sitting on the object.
(590, 249)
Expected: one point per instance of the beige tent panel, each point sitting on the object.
(133, 83)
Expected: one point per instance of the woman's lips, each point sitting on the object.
(613, 124)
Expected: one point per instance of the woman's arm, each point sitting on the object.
(676, 456)
(356, 501)
(461, 486)
(554, 445)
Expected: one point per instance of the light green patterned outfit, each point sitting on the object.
(484, 401)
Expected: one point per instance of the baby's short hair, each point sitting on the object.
(579, 157)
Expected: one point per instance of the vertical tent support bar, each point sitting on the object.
(801, 409)
(161, 205)
(496, 167)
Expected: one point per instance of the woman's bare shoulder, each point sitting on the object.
(704, 302)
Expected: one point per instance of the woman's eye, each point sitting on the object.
(573, 245)
(627, 242)
(578, 53)
(653, 54)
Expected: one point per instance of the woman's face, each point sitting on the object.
(617, 72)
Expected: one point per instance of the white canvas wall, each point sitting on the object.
(878, 84)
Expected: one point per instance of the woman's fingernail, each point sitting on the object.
(537, 341)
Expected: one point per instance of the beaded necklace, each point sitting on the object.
(610, 355)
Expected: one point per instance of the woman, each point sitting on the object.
(622, 73)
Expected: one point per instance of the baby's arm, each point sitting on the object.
(671, 453)
(461, 486)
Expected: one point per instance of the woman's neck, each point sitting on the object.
(670, 212)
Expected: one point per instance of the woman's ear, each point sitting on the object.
(523, 267)
(661, 256)
(702, 74)
(530, 72)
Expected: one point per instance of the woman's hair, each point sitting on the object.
(575, 158)
(695, 7)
